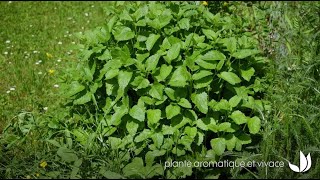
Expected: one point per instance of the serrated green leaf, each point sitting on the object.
(185, 103)
(152, 39)
(153, 115)
(210, 34)
(230, 43)
(201, 101)
(114, 142)
(117, 116)
(140, 82)
(243, 53)
(157, 139)
(132, 127)
(213, 55)
(67, 155)
(234, 101)
(201, 125)
(75, 88)
(218, 145)
(165, 71)
(238, 117)
(201, 74)
(172, 110)
(123, 33)
(201, 83)
(137, 112)
(254, 125)
(230, 141)
(247, 74)
(111, 73)
(205, 64)
(230, 77)
(134, 168)
(173, 52)
(83, 99)
(152, 62)
(156, 91)
(145, 134)
(180, 77)
(190, 131)
(184, 23)
(124, 78)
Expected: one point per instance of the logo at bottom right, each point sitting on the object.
(305, 163)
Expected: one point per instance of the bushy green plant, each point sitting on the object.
(168, 81)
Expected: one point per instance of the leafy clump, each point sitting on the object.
(169, 81)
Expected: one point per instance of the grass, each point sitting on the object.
(30, 30)
(36, 41)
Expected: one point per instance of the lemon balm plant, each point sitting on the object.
(167, 81)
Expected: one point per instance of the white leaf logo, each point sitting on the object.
(305, 163)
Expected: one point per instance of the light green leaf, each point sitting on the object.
(180, 77)
(205, 64)
(173, 52)
(114, 142)
(184, 23)
(157, 139)
(238, 117)
(190, 131)
(247, 74)
(201, 74)
(185, 103)
(117, 116)
(124, 78)
(172, 111)
(75, 88)
(230, 141)
(132, 127)
(67, 155)
(137, 112)
(123, 33)
(152, 39)
(153, 115)
(243, 53)
(234, 101)
(152, 62)
(111, 73)
(218, 145)
(145, 134)
(140, 82)
(230, 77)
(254, 125)
(201, 101)
(165, 71)
(213, 55)
(201, 83)
(156, 91)
(210, 34)
(201, 125)
(83, 99)
(134, 168)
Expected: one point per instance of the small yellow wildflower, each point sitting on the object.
(225, 4)
(205, 3)
(43, 164)
(49, 55)
(37, 174)
(51, 71)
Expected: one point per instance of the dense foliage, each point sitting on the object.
(168, 81)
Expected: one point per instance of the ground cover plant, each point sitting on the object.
(148, 83)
